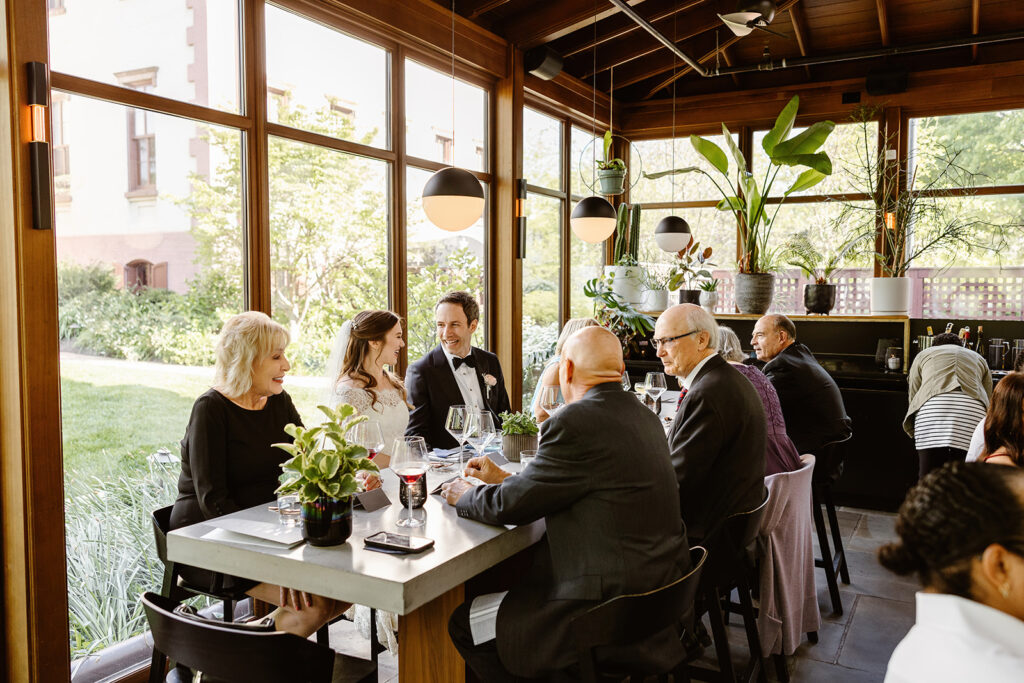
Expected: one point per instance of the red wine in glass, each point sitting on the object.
(410, 476)
(371, 453)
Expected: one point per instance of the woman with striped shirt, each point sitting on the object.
(949, 393)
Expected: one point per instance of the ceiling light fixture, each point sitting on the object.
(672, 233)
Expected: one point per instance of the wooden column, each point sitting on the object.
(506, 292)
(257, 200)
(34, 607)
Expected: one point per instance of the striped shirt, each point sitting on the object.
(947, 421)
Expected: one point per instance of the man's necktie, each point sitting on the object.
(679, 401)
(468, 360)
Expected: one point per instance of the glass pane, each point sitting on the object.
(587, 262)
(328, 251)
(581, 167)
(987, 144)
(656, 155)
(541, 269)
(428, 118)
(849, 145)
(439, 262)
(144, 284)
(335, 84)
(194, 56)
(542, 150)
(709, 226)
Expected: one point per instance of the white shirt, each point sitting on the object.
(977, 442)
(466, 378)
(688, 380)
(956, 640)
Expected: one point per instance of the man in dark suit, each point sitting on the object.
(717, 439)
(810, 399)
(603, 483)
(454, 373)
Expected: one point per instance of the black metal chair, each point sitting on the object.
(833, 556)
(729, 567)
(634, 618)
(232, 652)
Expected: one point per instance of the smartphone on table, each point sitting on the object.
(398, 542)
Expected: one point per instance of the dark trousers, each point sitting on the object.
(483, 658)
(933, 458)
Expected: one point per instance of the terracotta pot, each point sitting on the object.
(327, 521)
(819, 298)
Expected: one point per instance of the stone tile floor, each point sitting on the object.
(878, 610)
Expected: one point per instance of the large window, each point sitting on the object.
(586, 260)
(429, 118)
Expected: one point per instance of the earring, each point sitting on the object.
(1005, 590)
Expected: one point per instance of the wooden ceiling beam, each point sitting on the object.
(557, 19)
(883, 22)
(621, 26)
(728, 62)
(975, 26)
(485, 7)
(634, 49)
(796, 17)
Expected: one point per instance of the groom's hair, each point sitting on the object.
(469, 305)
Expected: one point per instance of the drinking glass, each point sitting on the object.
(481, 431)
(551, 399)
(526, 457)
(369, 436)
(655, 384)
(288, 509)
(456, 424)
(626, 384)
(409, 462)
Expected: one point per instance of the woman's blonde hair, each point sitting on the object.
(245, 340)
(572, 326)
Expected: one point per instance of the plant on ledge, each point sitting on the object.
(690, 265)
(818, 265)
(627, 235)
(618, 315)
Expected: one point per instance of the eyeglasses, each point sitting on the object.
(659, 342)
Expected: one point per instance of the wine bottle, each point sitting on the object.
(949, 327)
(930, 333)
(979, 343)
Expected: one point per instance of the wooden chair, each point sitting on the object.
(833, 556)
(634, 618)
(233, 652)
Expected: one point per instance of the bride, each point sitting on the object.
(358, 374)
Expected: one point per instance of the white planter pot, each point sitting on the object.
(890, 296)
(655, 300)
(627, 283)
(708, 301)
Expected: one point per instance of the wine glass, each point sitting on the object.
(656, 386)
(369, 436)
(551, 399)
(456, 424)
(626, 384)
(409, 462)
(481, 431)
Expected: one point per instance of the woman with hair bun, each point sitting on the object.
(961, 530)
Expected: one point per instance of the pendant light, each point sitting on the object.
(453, 198)
(672, 234)
(593, 218)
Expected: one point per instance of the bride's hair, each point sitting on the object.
(368, 326)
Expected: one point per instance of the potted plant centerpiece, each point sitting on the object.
(820, 294)
(518, 433)
(757, 260)
(322, 471)
(709, 294)
(626, 276)
(619, 316)
(611, 172)
(690, 265)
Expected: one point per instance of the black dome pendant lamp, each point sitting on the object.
(453, 198)
(672, 234)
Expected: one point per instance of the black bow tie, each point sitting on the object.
(468, 360)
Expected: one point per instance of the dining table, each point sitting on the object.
(423, 589)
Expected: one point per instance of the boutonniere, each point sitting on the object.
(490, 381)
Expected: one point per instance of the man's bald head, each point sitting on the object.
(590, 357)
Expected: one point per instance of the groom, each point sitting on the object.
(454, 373)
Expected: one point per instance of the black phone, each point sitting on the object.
(398, 542)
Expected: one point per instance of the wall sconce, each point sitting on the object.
(890, 221)
(521, 215)
(38, 145)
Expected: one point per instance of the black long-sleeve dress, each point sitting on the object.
(228, 463)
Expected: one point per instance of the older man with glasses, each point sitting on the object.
(717, 440)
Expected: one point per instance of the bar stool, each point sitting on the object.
(827, 470)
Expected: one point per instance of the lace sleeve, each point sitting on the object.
(356, 397)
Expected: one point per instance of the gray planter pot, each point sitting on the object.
(754, 292)
(513, 444)
(611, 181)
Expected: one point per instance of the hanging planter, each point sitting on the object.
(611, 180)
(609, 173)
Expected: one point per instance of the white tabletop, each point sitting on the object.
(396, 583)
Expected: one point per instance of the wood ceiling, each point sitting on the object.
(626, 57)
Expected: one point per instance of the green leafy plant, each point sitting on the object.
(618, 315)
(690, 264)
(518, 423)
(656, 276)
(608, 163)
(749, 203)
(323, 463)
(817, 264)
(709, 285)
(627, 235)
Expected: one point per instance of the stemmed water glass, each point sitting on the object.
(409, 462)
(456, 424)
(551, 399)
(481, 431)
(655, 387)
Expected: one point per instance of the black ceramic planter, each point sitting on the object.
(327, 521)
(819, 298)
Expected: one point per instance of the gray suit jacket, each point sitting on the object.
(604, 485)
(717, 442)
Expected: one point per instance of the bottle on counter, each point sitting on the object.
(930, 333)
(949, 327)
(979, 342)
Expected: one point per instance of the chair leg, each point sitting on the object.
(681, 674)
(375, 647)
(323, 636)
(721, 639)
(812, 637)
(157, 667)
(750, 625)
(825, 562)
(837, 537)
(228, 605)
(781, 669)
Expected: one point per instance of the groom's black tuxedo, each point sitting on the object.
(432, 390)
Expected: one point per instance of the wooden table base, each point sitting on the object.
(425, 652)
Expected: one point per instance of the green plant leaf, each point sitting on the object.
(330, 464)
(807, 179)
(678, 171)
(737, 156)
(783, 125)
(819, 162)
(730, 204)
(310, 491)
(712, 152)
(807, 142)
(607, 143)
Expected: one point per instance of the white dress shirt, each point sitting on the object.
(466, 378)
(956, 640)
(688, 380)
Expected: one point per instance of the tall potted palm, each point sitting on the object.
(748, 202)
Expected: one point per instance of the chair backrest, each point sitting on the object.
(829, 460)
(161, 525)
(632, 618)
(728, 543)
(228, 653)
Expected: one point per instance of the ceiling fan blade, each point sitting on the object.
(740, 23)
(774, 33)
